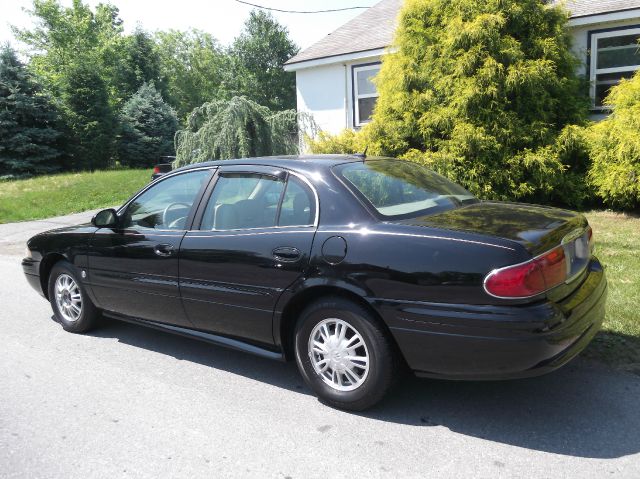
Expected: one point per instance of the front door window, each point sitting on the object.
(166, 205)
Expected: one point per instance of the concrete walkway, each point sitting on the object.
(14, 236)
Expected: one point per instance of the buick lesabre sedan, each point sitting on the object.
(354, 267)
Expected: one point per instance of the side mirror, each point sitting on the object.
(105, 219)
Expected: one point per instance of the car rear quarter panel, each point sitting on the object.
(388, 261)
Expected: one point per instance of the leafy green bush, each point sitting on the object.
(615, 148)
(484, 93)
(347, 141)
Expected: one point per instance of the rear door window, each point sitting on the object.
(243, 201)
(298, 204)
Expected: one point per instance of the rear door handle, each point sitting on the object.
(163, 250)
(287, 254)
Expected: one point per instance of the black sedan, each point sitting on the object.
(356, 267)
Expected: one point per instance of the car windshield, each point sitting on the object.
(401, 189)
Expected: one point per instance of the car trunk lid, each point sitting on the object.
(537, 228)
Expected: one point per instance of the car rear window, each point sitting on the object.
(402, 189)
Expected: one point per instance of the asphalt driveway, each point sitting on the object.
(14, 236)
(127, 401)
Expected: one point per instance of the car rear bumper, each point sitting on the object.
(490, 342)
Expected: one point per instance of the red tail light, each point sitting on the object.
(156, 169)
(530, 278)
(592, 242)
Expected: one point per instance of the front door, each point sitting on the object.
(254, 240)
(133, 269)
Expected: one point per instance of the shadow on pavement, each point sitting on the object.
(583, 410)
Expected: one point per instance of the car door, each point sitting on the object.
(255, 234)
(133, 268)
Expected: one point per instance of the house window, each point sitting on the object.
(365, 94)
(614, 55)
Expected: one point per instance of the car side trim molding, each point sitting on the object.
(202, 336)
(366, 231)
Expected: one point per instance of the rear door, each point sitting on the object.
(133, 269)
(255, 235)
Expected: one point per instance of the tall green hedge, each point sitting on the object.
(485, 93)
(615, 148)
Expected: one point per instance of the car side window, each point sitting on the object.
(298, 205)
(166, 205)
(243, 201)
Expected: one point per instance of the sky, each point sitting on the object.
(222, 18)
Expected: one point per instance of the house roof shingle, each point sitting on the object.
(585, 8)
(373, 29)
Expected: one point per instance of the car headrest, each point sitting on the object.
(300, 202)
(225, 217)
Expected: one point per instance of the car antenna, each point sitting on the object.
(362, 155)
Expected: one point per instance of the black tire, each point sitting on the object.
(89, 316)
(383, 360)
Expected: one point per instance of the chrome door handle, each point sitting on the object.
(287, 254)
(163, 250)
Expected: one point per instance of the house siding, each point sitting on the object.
(326, 93)
(321, 93)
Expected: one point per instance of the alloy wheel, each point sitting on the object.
(339, 354)
(68, 298)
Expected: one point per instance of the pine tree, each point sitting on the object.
(138, 62)
(88, 116)
(148, 127)
(29, 138)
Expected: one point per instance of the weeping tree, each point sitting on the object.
(236, 128)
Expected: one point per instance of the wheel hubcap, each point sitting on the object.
(68, 298)
(338, 354)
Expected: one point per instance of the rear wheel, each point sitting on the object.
(70, 303)
(344, 354)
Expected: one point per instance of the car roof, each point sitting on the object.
(299, 163)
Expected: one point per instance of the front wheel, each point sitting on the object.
(344, 354)
(71, 305)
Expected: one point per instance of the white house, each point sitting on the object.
(333, 75)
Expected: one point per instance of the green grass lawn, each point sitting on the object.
(618, 248)
(55, 195)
